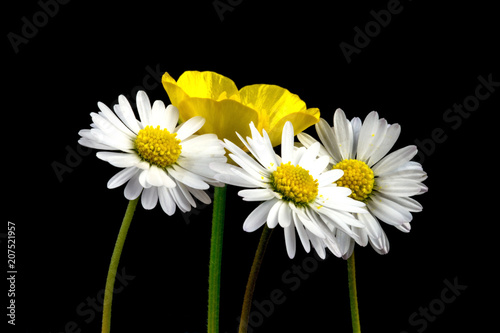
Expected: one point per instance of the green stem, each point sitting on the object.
(214, 271)
(252, 278)
(113, 266)
(353, 294)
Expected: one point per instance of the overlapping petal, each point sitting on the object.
(228, 110)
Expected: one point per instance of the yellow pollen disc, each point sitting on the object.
(295, 184)
(358, 177)
(156, 146)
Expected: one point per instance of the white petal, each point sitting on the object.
(133, 188)
(182, 197)
(246, 177)
(405, 227)
(262, 147)
(334, 191)
(308, 141)
(245, 161)
(187, 194)
(410, 204)
(285, 216)
(326, 135)
(190, 127)
(407, 171)
(172, 118)
(126, 114)
(343, 204)
(200, 195)
(338, 220)
(356, 127)
(187, 177)
(120, 160)
(258, 216)
(166, 180)
(290, 241)
(154, 176)
(227, 176)
(143, 107)
(318, 166)
(256, 194)
(362, 235)
(328, 177)
(113, 119)
(106, 133)
(317, 244)
(388, 211)
(333, 247)
(304, 239)
(376, 139)
(272, 217)
(149, 197)
(142, 178)
(343, 134)
(167, 203)
(372, 227)
(121, 177)
(90, 143)
(381, 244)
(308, 160)
(159, 115)
(309, 219)
(345, 242)
(384, 145)
(287, 143)
(367, 135)
(394, 160)
(297, 154)
(398, 187)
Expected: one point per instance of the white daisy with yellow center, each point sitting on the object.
(297, 191)
(161, 161)
(384, 182)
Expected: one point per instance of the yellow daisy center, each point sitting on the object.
(159, 147)
(295, 184)
(358, 177)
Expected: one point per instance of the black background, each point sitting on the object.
(412, 71)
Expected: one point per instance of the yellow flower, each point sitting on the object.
(228, 110)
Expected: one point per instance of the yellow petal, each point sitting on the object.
(276, 105)
(300, 121)
(207, 85)
(175, 93)
(223, 118)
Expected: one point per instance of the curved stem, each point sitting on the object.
(113, 266)
(252, 278)
(353, 294)
(214, 272)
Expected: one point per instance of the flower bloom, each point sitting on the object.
(296, 192)
(229, 110)
(163, 161)
(384, 182)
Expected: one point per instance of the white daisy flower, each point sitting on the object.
(163, 161)
(296, 190)
(384, 182)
